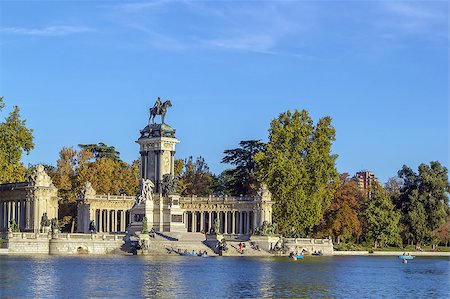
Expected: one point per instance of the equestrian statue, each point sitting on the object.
(159, 109)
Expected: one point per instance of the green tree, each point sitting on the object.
(197, 178)
(101, 150)
(423, 202)
(243, 178)
(299, 170)
(392, 187)
(15, 138)
(341, 219)
(223, 182)
(381, 220)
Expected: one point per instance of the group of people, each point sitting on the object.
(200, 253)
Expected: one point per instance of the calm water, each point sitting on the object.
(188, 277)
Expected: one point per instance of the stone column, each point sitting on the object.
(108, 221)
(18, 218)
(194, 222)
(9, 212)
(248, 222)
(115, 220)
(172, 162)
(27, 214)
(225, 225)
(2, 213)
(121, 212)
(202, 221)
(13, 211)
(239, 227)
(100, 221)
(210, 220)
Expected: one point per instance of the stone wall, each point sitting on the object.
(64, 244)
(324, 246)
(28, 243)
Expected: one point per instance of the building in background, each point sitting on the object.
(365, 180)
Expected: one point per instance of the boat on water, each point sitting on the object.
(406, 257)
(296, 257)
(317, 253)
(188, 254)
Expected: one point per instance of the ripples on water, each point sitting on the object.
(190, 277)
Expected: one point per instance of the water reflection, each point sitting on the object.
(219, 277)
(45, 278)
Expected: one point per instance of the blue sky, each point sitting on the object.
(87, 72)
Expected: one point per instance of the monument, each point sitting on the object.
(157, 201)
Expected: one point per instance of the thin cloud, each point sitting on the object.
(139, 6)
(418, 18)
(246, 28)
(46, 31)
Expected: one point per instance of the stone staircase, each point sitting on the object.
(171, 242)
(233, 249)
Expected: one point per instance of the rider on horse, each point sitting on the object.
(158, 105)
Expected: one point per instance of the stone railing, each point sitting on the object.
(12, 186)
(219, 199)
(306, 241)
(114, 197)
(66, 236)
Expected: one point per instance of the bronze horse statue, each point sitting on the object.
(162, 112)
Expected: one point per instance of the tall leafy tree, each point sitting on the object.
(243, 178)
(342, 218)
(299, 170)
(15, 139)
(196, 178)
(424, 201)
(381, 220)
(107, 175)
(393, 187)
(102, 150)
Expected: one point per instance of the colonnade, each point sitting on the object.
(231, 222)
(19, 210)
(109, 221)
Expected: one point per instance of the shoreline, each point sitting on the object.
(391, 253)
(335, 253)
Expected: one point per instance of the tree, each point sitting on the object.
(101, 150)
(223, 183)
(341, 219)
(197, 178)
(107, 176)
(243, 178)
(381, 219)
(443, 233)
(15, 138)
(299, 170)
(392, 187)
(423, 201)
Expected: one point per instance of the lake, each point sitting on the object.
(223, 277)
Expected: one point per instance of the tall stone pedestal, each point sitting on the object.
(156, 211)
(176, 215)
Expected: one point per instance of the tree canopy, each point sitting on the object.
(15, 139)
(423, 201)
(242, 179)
(299, 170)
(381, 220)
(196, 179)
(341, 219)
(101, 150)
(107, 175)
